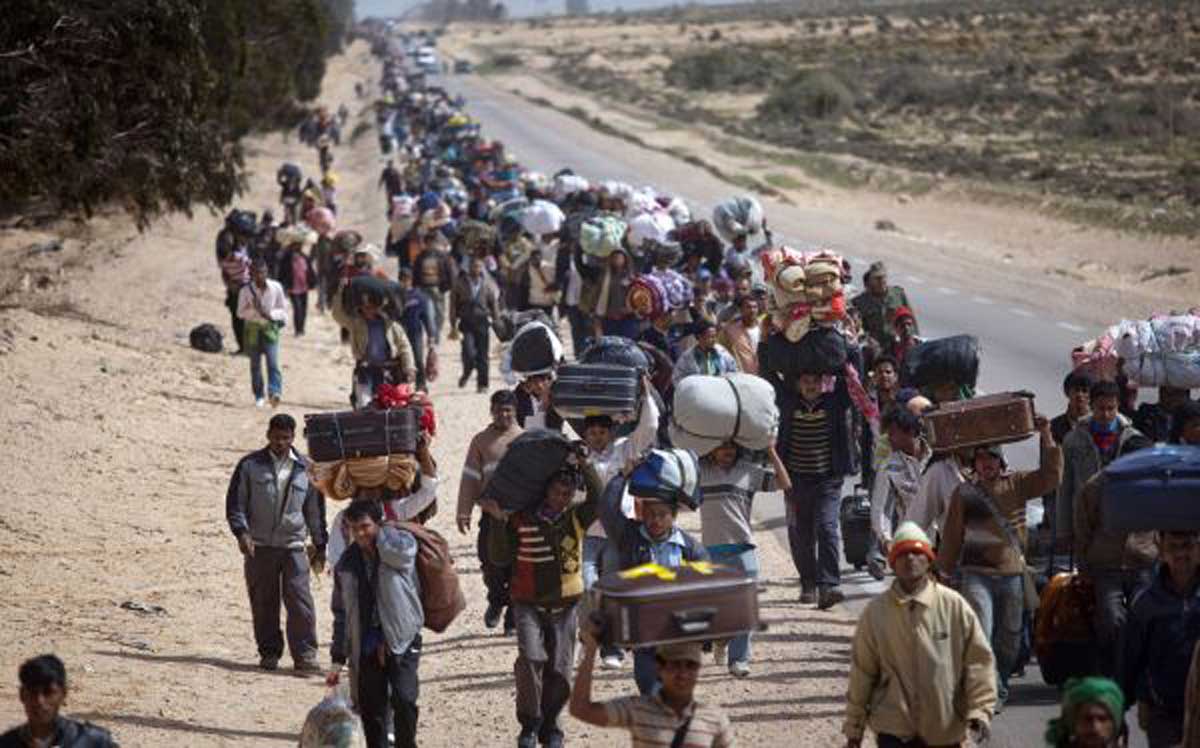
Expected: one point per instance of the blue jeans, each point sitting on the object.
(999, 601)
(747, 561)
(274, 375)
(814, 533)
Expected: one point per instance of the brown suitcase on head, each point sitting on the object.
(651, 605)
(991, 419)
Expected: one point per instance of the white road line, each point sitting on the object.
(1070, 326)
(982, 300)
(914, 279)
(1020, 312)
(945, 291)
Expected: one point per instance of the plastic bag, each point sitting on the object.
(332, 723)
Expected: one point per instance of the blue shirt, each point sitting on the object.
(378, 350)
(668, 552)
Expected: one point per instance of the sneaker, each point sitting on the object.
(491, 617)
(611, 662)
(259, 402)
(720, 650)
(274, 401)
(876, 570)
(308, 666)
(808, 596)
(527, 738)
(269, 663)
(830, 597)
(739, 669)
(553, 740)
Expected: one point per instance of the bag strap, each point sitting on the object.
(737, 399)
(1014, 539)
(681, 734)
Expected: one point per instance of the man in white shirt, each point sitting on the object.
(263, 306)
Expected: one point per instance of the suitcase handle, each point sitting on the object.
(695, 621)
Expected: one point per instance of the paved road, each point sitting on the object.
(1024, 336)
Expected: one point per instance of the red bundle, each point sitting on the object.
(389, 396)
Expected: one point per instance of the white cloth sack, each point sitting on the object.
(740, 215)
(542, 217)
(710, 411)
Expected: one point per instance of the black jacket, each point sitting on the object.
(554, 421)
(69, 733)
(1159, 638)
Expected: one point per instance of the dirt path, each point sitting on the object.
(121, 440)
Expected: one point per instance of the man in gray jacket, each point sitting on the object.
(381, 616)
(271, 506)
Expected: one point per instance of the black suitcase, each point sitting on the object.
(519, 480)
(582, 390)
(857, 537)
(651, 605)
(360, 433)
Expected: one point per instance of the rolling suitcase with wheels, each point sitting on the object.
(857, 537)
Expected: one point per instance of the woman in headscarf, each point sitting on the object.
(1093, 711)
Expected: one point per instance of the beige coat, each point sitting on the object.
(920, 667)
(397, 338)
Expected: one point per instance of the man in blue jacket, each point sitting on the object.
(1160, 635)
(272, 507)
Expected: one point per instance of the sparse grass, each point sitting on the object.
(784, 181)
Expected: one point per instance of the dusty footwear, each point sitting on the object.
(510, 623)
(739, 669)
(808, 596)
(269, 663)
(308, 666)
(553, 740)
(259, 402)
(491, 617)
(611, 662)
(462, 381)
(527, 739)
(876, 570)
(720, 650)
(274, 401)
(830, 596)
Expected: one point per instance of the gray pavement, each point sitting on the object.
(1025, 335)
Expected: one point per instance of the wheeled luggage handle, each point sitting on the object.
(695, 621)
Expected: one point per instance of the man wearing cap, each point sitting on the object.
(984, 538)
(670, 717)
(1093, 716)
(921, 670)
(878, 305)
(904, 325)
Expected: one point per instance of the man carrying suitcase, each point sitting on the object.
(672, 717)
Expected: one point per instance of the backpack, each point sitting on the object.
(206, 338)
(1064, 637)
(442, 598)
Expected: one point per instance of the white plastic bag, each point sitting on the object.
(332, 723)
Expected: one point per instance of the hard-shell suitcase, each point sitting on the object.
(954, 359)
(992, 419)
(582, 390)
(361, 433)
(856, 528)
(651, 605)
(1153, 489)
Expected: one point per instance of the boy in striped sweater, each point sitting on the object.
(544, 548)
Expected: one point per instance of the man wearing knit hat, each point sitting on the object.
(669, 716)
(1093, 712)
(922, 672)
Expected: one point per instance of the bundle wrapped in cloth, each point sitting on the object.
(805, 290)
(710, 411)
(647, 296)
(342, 479)
(739, 216)
(601, 235)
(669, 475)
(1163, 351)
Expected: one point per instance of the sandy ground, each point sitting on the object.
(121, 441)
(953, 220)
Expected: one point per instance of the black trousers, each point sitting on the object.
(397, 685)
(299, 310)
(475, 342)
(495, 578)
(239, 326)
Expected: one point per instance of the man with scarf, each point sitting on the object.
(1094, 442)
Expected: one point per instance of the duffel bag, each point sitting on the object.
(945, 360)
(535, 350)
(614, 349)
(710, 411)
(1064, 639)
(669, 475)
(1153, 489)
(519, 480)
(508, 322)
(821, 351)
